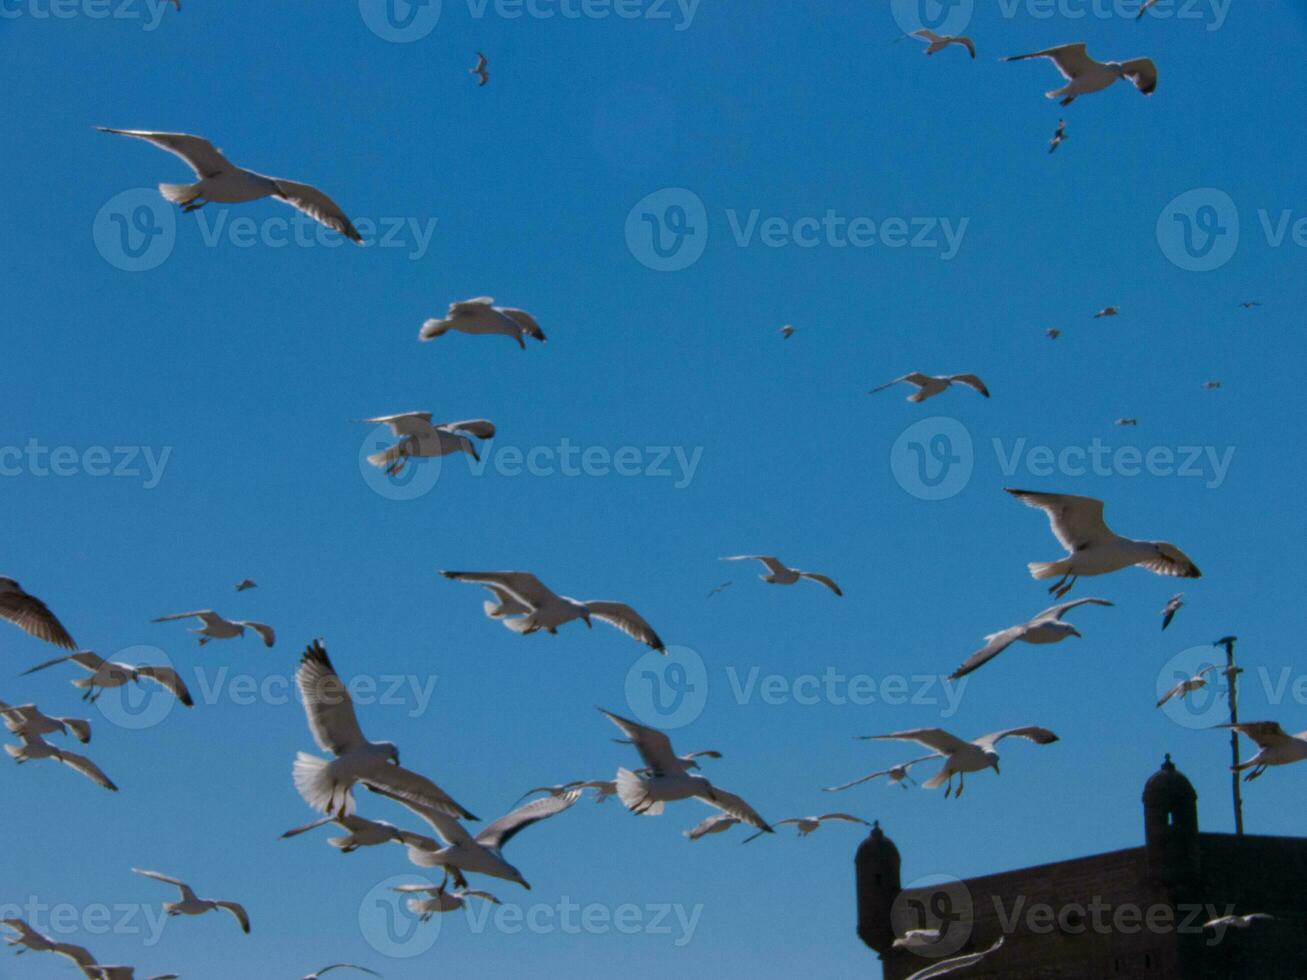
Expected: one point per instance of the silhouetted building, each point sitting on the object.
(1133, 913)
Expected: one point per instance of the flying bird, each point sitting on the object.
(1191, 684)
(898, 776)
(418, 436)
(481, 316)
(1086, 76)
(28, 719)
(1146, 6)
(35, 747)
(1130, 422)
(526, 605)
(1277, 748)
(109, 673)
(721, 588)
(190, 904)
(1092, 548)
(440, 900)
(480, 71)
(1059, 137)
(786, 331)
(781, 574)
(938, 42)
(361, 833)
(327, 785)
(943, 968)
(1173, 606)
(248, 583)
(715, 824)
(222, 182)
(1045, 627)
(1250, 305)
(1052, 333)
(217, 628)
(928, 386)
(1107, 311)
(340, 966)
(1237, 921)
(668, 778)
(962, 757)
(806, 825)
(1211, 385)
(31, 615)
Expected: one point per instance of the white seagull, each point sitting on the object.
(28, 719)
(1092, 547)
(1059, 137)
(109, 673)
(955, 963)
(938, 42)
(480, 70)
(440, 900)
(340, 966)
(928, 386)
(715, 824)
(917, 939)
(190, 904)
(806, 825)
(962, 757)
(786, 331)
(781, 574)
(1173, 606)
(1045, 627)
(526, 605)
(1190, 684)
(31, 615)
(362, 833)
(1106, 312)
(898, 776)
(217, 628)
(418, 436)
(481, 316)
(1238, 921)
(222, 182)
(327, 785)
(1085, 76)
(1277, 748)
(35, 747)
(669, 779)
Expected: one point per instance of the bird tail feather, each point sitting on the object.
(521, 624)
(634, 796)
(433, 329)
(314, 783)
(15, 750)
(937, 780)
(1047, 569)
(179, 193)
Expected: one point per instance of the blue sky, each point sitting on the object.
(236, 367)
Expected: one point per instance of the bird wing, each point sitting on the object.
(932, 738)
(296, 831)
(1173, 606)
(481, 428)
(318, 206)
(774, 564)
(184, 888)
(405, 423)
(446, 827)
(1040, 736)
(263, 629)
(83, 658)
(707, 824)
(409, 785)
(1077, 522)
(80, 728)
(910, 378)
(1143, 72)
(1266, 734)
(169, 679)
(327, 703)
(1173, 563)
(87, 768)
(930, 36)
(847, 817)
(825, 580)
(33, 616)
(469, 307)
(998, 642)
(481, 61)
(507, 827)
(238, 911)
(78, 954)
(524, 320)
(967, 43)
(1057, 612)
(523, 585)
(655, 747)
(1071, 59)
(953, 964)
(704, 754)
(626, 619)
(346, 966)
(200, 155)
(474, 893)
(1173, 692)
(971, 381)
(208, 615)
(874, 775)
(730, 803)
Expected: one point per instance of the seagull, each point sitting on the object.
(780, 574)
(1277, 748)
(669, 779)
(31, 615)
(527, 606)
(1211, 385)
(1134, 422)
(362, 833)
(441, 900)
(191, 905)
(917, 939)
(930, 385)
(109, 673)
(217, 628)
(962, 757)
(480, 70)
(1238, 921)
(1086, 76)
(938, 42)
(953, 964)
(1052, 333)
(715, 824)
(721, 588)
(1107, 311)
(481, 316)
(35, 942)
(340, 966)
(482, 854)
(806, 825)
(326, 785)
(1046, 627)
(35, 747)
(786, 331)
(223, 182)
(1250, 305)
(1173, 606)
(1058, 138)
(1188, 686)
(28, 719)
(418, 437)
(248, 583)
(1146, 6)
(898, 775)
(1092, 548)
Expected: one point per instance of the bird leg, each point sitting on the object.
(194, 205)
(459, 880)
(1068, 587)
(1255, 773)
(948, 790)
(1058, 584)
(962, 784)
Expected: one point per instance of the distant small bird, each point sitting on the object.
(715, 824)
(1189, 684)
(31, 615)
(1045, 627)
(190, 904)
(917, 939)
(961, 757)
(1107, 311)
(340, 966)
(720, 588)
(1134, 422)
(806, 825)
(1173, 606)
(1277, 747)
(898, 776)
(1059, 137)
(217, 628)
(362, 833)
(1211, 385)
(1144, 8)
(1052, 333)
(781, 574)
(931, 385)
(1250, 305)
(481, 316)
(28, 719)
(942, 968)
(480, 69)
(938, 42)
(786, 331)
(248, 583)
(1086, 76)
(35, 747)
(1236, 921)
(440, 900)
(420, 437)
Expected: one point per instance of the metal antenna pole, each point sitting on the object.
(1231, 677)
